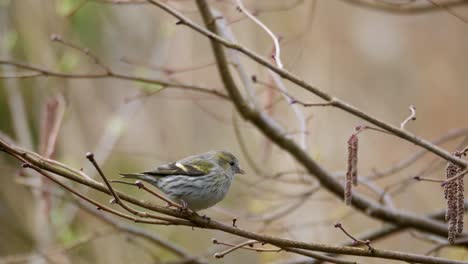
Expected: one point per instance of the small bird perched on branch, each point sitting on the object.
(197, 182)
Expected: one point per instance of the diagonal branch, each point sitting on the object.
(277, 55)
(384, 232)
(98, 205)
(37, 71)
(140, 232)
(275, 133)
(43, 164)
(116, 199)
(331, 100)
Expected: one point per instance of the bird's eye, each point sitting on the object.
(232, 163)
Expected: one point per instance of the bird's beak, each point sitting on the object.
(240, 171)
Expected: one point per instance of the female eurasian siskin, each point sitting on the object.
(197, 182)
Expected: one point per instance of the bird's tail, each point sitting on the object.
(132, 175)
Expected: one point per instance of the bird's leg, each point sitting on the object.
(184, 207)
(187, 209)
(207, 218)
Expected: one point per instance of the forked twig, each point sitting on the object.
(98, 205)
(86, 52)
(356, 240)
(116, 199)
(244, 245)
(140, 185)
(459, 175)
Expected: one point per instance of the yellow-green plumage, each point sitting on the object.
(198, 181)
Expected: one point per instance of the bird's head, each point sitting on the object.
(228, 162)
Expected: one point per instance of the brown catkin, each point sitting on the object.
(450, 172)
(452, 231)
(453, 193)
(354, 155)
(351, 173)
(460, 204)
(348, 192)
(451, 211)
(450, 190)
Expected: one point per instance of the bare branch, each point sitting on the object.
(116, 199)
(244, 245)
(140, 185)
(427, 180)
(456, 177)
(57, 38)
(140, 232)
(42, 72)
(36, 161)
(405, 163)
(53, 115)
(446, 8)
(98, 205)
(215, 38)
(277, 55)
(387, 231)
(356, 240)
(276, 134)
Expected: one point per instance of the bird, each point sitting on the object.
(196, 182)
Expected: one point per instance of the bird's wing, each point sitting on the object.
(193, 167)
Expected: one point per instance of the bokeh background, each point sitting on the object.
(379, 61)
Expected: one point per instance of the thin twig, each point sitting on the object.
(446, 8)
(356, 240)
(116, 199)
(273, 131)
(220, 41)
(442, 245)
(411, 117)
(57, 38)
(139, 232)
(319, 257)
(140, 185)
(277, 56)
(459, 175)
(418, 178)
(386, 231)
(244, 245)
(405, 163)
(98, 205)
(203, 223)
(53, 116)
(296, 109)
(167, 70)
(43, 72)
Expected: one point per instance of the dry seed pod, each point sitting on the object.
(351, 174)
(453, 193)
(460, 204)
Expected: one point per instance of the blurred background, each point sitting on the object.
(377, 60)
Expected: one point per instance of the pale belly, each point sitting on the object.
(196, 193)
